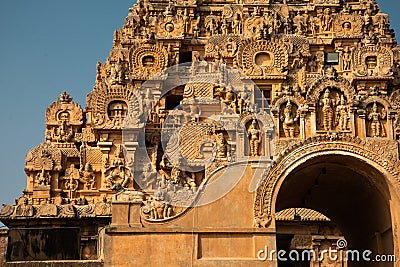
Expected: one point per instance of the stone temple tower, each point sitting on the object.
(217, 133)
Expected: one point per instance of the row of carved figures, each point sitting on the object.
(333, 112)
(255, 20)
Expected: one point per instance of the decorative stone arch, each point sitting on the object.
(99, 100)
(262, 59)
(320, 85)
(297, 99)
(382, 101)
(369, 151)
(394, 99)
(297, 158)
(147, 60)
(383, 55)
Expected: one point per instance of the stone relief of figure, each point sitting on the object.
(228, 101)
(88, 177)
(343, 114)
(346, 58)
(117, 172)
(237, 25)
(221, 146)
(289, 121)
(327, 110)
(255, 137)
(180, 178)
(71, 178)
(64, 132)
(241, 103)
(149, 177)
(299, 23)
(376, 117)
(159, 207)
(224, 27)
(43, 178)
(196, 27)
(327, 20)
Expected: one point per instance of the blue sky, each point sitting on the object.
(47, 47)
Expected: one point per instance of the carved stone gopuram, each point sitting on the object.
(217, 132)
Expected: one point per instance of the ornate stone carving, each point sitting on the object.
(347, 25)
(148, 60)
(157, 207)
(45, 156)
(88, 177)
(254, 134)
(376, 116)
(118, 173)
(372, 61)
(224, 45)
(321, 84)
(63, 119)
(47, 210)
(71, 178)
(263, 59)
(289, 117)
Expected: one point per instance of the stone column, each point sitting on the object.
(105, 148)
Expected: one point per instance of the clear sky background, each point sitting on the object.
(46, 47)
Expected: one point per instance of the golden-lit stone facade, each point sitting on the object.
(217, 128)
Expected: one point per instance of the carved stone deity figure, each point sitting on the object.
(241, 103)
(64, 133)
(327, 19)
(221, 146)
(224, 27)
(88, 177)
(43, 178)
(117, 173)
(300, 23)
(289, 121)
(376, 118)
(149, 177)
(159, 207)
(346, 58)
(254, 137)
(327, 110)
(229, 100)
(180, 178)
(237, 25)
(71, 178)
(343, 114)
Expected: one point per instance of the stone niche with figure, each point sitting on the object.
(222, 127)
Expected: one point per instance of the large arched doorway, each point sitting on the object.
(349, 191)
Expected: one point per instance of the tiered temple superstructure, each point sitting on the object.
(216, 129)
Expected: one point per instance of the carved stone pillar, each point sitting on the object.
(353, 118)
(303, 115)
(363, 124)
(390, 118)
(313, 121)
(105, 148)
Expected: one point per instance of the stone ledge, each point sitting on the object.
(176, 230)
(54, 264)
